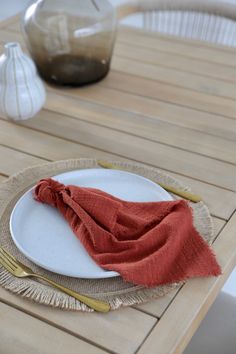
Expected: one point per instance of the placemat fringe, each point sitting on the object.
(114, 290)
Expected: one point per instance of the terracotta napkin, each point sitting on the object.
(150, 243)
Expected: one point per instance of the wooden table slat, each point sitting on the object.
(118, 331)
(196, 99)
(191, 49)
(11, 160)
(175, 77)
(132, 147)
(147, 127)
(139, 105)
(167, 75)
(48, 147)
(213, 196)
(2, 178)
(13, 24)
(210, 53)
(160, 91)
(177, 61)
(10, 21)
(172, 38)
(27, 334)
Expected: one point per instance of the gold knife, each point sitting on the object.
(184, 194)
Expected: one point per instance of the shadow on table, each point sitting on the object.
(217, 333)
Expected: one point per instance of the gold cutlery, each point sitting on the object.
(16, 268)
(184, 194)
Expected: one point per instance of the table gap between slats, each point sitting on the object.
(139, 107)
(208, 54)
(171, 76)
(182, 66)
(217, 105)
(207, 47)
(160, 58)
(13, 24)
(27, 333)
(165, 133)
(156, 131)
(213, 196)
(171, 38)
(193, 82)
(170, 95)
(120, 144)
(179, 62)
(9, 129)
(130, 326)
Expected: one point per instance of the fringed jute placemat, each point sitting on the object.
(114, 290)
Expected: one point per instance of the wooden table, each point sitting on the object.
(167, 103)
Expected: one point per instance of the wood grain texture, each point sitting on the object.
(172, 38)
(118, 331)
(2, 178)
(161, 90)
(189, 307)
(175, 77)
(213, 196)
(10, 21)
(119, 143)
(177, 61)
(11, 160)
(44, 146)
(146, 127)
(205, 53)
(49, 147)
(197, 99)
(21, 334)
(169, 75)
(13, 24)
(219, 106)
(131, 103)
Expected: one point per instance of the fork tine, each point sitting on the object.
(8, 261)
(8, 256)
(5, 265)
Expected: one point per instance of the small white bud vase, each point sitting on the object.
(22, 93)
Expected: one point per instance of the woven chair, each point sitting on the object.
(207, 20)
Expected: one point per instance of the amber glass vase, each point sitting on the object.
(70, 41)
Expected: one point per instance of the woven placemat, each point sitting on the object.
(114, 290)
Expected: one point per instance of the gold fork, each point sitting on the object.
(16, 268)
(184, 194)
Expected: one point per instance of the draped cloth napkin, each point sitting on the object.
(147, 243)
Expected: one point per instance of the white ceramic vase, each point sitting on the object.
(22, 93)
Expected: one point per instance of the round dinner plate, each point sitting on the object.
(44, 237)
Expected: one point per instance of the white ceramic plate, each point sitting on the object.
(44, 237)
